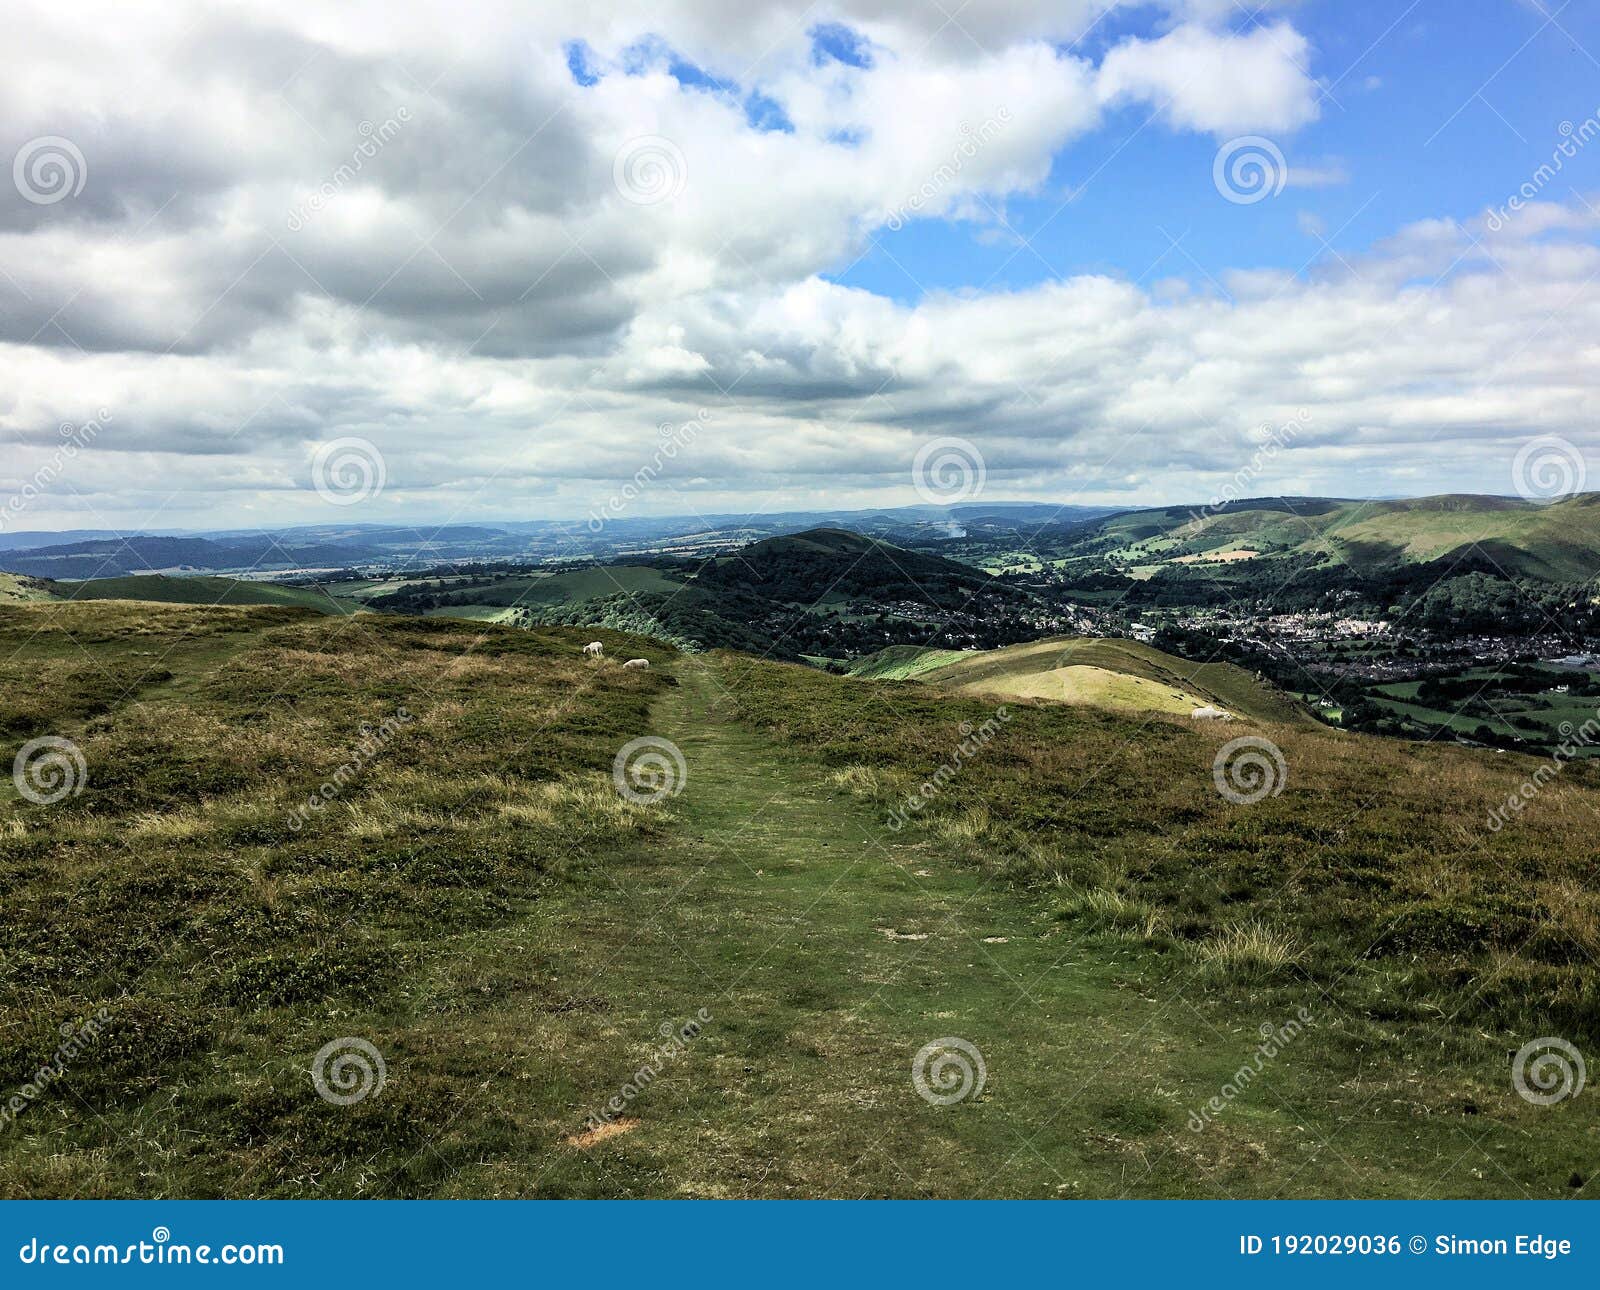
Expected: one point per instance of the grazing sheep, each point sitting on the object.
(1209, 713)
(594, 648)
(638, 663)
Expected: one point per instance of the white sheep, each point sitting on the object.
(594, 649)
(641, 663)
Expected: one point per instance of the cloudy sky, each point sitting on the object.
(513, 247)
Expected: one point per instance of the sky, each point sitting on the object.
(267, 264)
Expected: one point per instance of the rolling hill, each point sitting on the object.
(164, 589)
(1553, 542)
(1096, 672)
(805, 567)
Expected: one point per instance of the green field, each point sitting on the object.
(513, 937)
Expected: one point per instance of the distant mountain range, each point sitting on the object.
(1551, 542)
(81, 554)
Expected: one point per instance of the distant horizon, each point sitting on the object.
(966, 507)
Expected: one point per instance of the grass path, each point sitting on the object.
(828, 951)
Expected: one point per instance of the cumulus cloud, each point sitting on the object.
(507, 257)
(1226, 83)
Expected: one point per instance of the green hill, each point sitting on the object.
(1115, 674)
(1556, 542)
(799, 569)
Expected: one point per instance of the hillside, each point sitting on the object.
(165, 589)
(903, 662)
(511, 937)
(840, 564)
(1119, 674)
(17, 589)
(1553, 542)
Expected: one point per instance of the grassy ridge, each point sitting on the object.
(162, 588)
(228, 936)
(1089, 669)
(1374, 872)
(1556, 542)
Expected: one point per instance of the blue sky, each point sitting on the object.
(1437, 115)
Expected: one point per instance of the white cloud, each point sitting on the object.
(478, 298)
(1222, 82)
